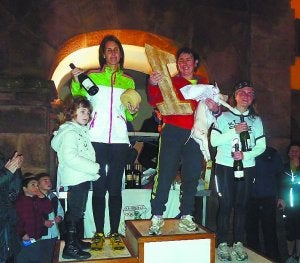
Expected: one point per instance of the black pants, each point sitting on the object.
(292, 223)
(177, 148)
(261, 212)
(77, 198)
(232, 195)
(112, 160)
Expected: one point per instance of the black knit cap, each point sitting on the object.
(243, 84)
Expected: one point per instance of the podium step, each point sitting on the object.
(107, 255)
(173, 246)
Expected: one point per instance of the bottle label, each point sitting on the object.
(137, 179)
(238, 174)
(87, 84)
(129, 177)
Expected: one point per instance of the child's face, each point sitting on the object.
(82, 116)
(32, 188)
(45, 184)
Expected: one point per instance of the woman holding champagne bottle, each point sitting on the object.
(109, 136)
(238, 135)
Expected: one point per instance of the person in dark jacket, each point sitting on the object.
(10, 178)
(149, 152)
(261, 208)
(32, 209)
(289, 201)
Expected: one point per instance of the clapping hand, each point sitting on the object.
(15, 162)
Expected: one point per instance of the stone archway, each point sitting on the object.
(82, 50)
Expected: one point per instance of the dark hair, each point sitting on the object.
(293, 143)
(73, 103)
(41, 175)
(27, 180)
(102, 59)
(187, 50)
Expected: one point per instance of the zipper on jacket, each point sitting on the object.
(112, 83)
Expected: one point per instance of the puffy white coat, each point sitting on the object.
(76, 155)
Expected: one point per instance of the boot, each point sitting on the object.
(80, 234)
(72, 249)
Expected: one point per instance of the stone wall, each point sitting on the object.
(27, 121)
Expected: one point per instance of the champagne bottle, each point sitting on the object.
(86, 82)
(245, 138)
(238, 168)
(129, 182)
(137, 175)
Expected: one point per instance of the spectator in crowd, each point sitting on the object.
(10, 184)
(148, 155)
(32, 210)
(289, 201)
(262, 206)
(54, 218)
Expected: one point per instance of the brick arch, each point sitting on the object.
(79, 48)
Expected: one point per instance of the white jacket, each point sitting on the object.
(76, 155)
(224, 137)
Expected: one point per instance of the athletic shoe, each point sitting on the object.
(238, 251)
(156, 226)
(116, 242)
(98, 241)
(187, 223)
(223, 252)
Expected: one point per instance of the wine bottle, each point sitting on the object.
(86, 82)
(238, 168)
(129, 182)
(245, 138)
(137, 175)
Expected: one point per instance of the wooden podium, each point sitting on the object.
(173, 246)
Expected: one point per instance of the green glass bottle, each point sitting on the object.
(86, 82)
(129, 180)
(245, 138)
(137, 175)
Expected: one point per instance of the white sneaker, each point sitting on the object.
(239, 252)
(157, 224)
(223, 252)
(187, 223)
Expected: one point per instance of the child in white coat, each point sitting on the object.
(76, 168)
